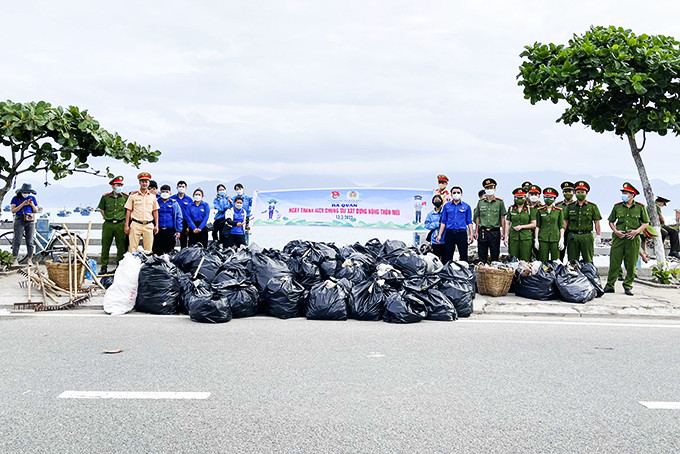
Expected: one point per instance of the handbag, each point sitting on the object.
(29, 217)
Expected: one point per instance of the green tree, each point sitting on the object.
(38, 137)
(613, 81)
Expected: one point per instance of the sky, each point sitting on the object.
(370, 90)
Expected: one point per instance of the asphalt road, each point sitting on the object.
(480, 385)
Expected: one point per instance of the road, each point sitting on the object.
(492, 385)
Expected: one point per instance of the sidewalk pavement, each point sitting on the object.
(648, 301)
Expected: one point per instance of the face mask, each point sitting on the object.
(456, 197)
(118, 189)
(238, 206)
(181, 190)
(568, 196)
(437, 204)
(624, 198)
(239, 191)
(165, 195)
(533, 198)
(221, 193)
(25, 195)
(489, 192)
(580, 197)
(549, 201)
(198, 198)
(519, 201)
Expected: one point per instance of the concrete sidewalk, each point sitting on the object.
(648, 301)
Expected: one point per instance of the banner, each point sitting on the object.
(347, 207)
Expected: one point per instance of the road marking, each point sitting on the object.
(130, 395)
(579, 323)
(662, 405)
(376, 355)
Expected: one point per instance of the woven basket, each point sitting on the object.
(494, 282)
(58, 273)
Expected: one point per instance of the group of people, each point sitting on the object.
(535, 230)
(160, 218)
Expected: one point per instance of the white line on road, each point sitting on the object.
(130, 395)
(579, 323)
(662, 405)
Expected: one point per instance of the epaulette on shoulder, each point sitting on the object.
(498, 198)
(619, 203)
(543, 207)
(641, 204)
(134, 192)
(125, 193)
(558, 208)
(107, 193)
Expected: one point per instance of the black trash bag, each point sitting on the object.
(348, 250)
(589, 270)
(420, 283)
(373, 246)
(206, 306)
(265, 268)
(231, 275)
(392, 276)
(438, 306)
(296, 247)
(458, 284)
(243, 299)
(187, 288)
(158, 288)
(189, 259)
(276, 254)
(305, 272)
(400, 310)
(367, 300)
(327, 300)
(283, 297)
(573, 285)
(392, 248)
(106, 281)
(354, 272)
(540, 286)
(327, 259)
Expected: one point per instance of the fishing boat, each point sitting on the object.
(77, 209)
(63, 213)
(84, 212)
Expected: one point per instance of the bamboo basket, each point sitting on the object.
(58, 273)
(494, 282)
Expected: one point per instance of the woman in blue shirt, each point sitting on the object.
(221, 204)
(236, 220)
(24, 207)
(432, 224)
(198, 214)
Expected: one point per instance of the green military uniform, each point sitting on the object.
(113, 206)
(535, 190)
(490, 213)
(519, 242)
(564, 204)
(623, 249)
(580, 241)
(549, 223)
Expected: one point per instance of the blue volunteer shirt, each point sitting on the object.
(221, 204)
(169, 214)
(197, 215)
(432, 223)
(183, 203)
(18, 200)
(456, 216)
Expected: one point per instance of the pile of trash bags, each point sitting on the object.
(573, 282)
(374, 281)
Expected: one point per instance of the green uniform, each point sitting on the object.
(490, 215)
(564, 205)
(114, 225)
(549, 224)
(534, 208)
(519, 243)
(625, 250)
(580, 238)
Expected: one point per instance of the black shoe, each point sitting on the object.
(104, 270)
(621, 278)
(675, 254)
(628, 292)
(608, 290)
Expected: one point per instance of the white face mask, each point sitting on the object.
(239, 191)
(533, 198)
(489, 192)
(25, 195)
(165, 195)
(181, 190)
(198, 198)
(238, 206)
(456, 197)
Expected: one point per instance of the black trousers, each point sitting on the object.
(673, 235)
(489, 241)
(184, 236)
(217, 234)
(455, 239)
(439, 250)
(200, 237)
(164, 241)
(235, 240)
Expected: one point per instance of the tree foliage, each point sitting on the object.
(38, 137)
(612, 79)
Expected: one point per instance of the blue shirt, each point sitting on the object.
(247, 203)
(456, 216)
(432, 223)
(234, 216)
(18, 200)
(221, 204)
(197, 215)
(183, 203)
(169, 214)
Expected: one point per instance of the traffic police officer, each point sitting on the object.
(627, 220)
(142, 209)
(112, 207)
(549, 235)
(490, 222)
(442, 182)
(568, 194)
(668, 232)
(580, 218)
(521, 221)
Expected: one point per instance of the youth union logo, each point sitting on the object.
(335, 194)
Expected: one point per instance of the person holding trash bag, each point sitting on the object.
(169, 223)
(142, 209)
(24, 206)
(221, 204)
(627, 220)
(521, 221)
(490, 223)
(455, 226)
(580, 218)
(198, 214)
(549, 237)
(236, 224)
(432, 224)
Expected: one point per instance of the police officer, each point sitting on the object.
(534, 202)
(627, 220)
(580, 218)
(112, 207)
(169, 223)
(490, 222)
(442, 182)
(520, 222)
(142, 209)
(184, 201)
(667, 232)
(526, 186)
(549, 235)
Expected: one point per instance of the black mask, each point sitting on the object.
(437, 203)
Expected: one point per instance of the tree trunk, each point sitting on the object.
(4, 190)
(659, 251)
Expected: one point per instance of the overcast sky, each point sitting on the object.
(372, 90)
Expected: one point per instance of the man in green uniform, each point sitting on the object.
(580, 218)
(568, 193)
(112, 207)
(549, 236)
(627, 220)
(521, 221)
(490, 222)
